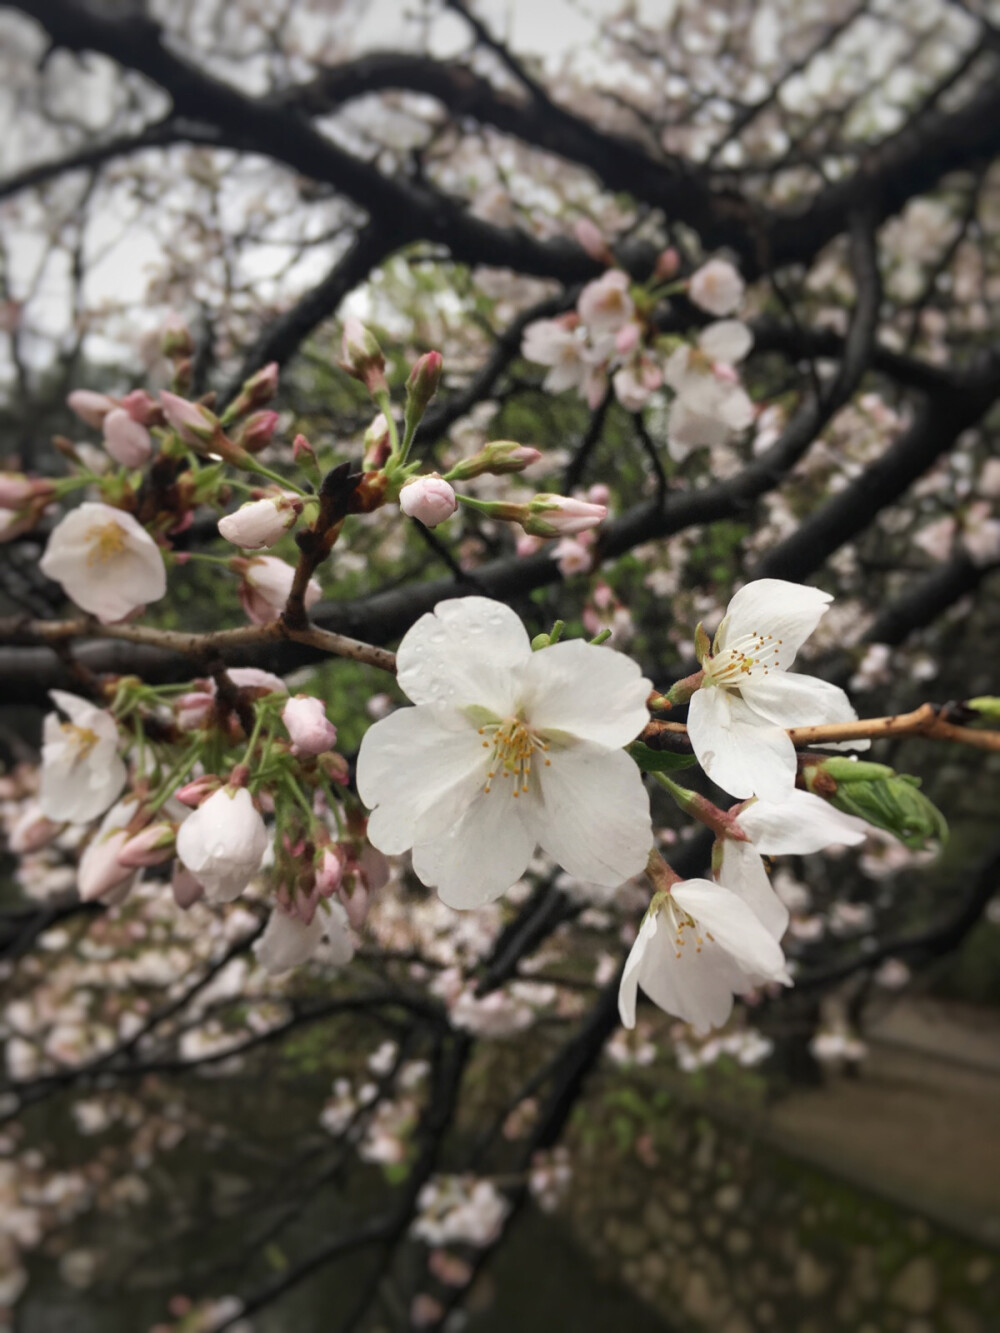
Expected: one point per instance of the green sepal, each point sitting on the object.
(658, 761)
(895, 804)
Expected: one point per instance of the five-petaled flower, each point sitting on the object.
(106, 562)
(506, 749)
(737, 719)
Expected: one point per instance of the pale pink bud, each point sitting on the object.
(89, 406)
(267, 583)
(668, 264)
(260, 522)
(193, 423)
(302, 450)
(259, 389)
(150, 847)
(186, 889)
(125, 439)
(32, 831)
(423, 381)
(16, 489)
(142, 408)
(101, 871)
(192, 711)
(499, 458)
(561, 516)
(354, 902)
(377, 443)
(307, 724)
(198, 790)
(591, 239)
(362, 357)
(330, 870)
(429, 499)
(257, 431)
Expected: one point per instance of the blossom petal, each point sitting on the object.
(695, 987)
(629, 985)
(787, 611)
(417, 767)
(742, 872)
(791, 700)
(480, 854)
(592, 813)
(727, 340)
(800, 824)
(740, 751)
(587, 691)
(462, 653)
(734, 927)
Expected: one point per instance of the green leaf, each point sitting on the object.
(897, 805)
(659, 761)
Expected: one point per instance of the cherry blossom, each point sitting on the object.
(266, 585)
(261, 522)
(506, 749)
(430, 499)
(223, 843)
(716, 287)
(105, 561)
(698, 946)
(799, 824)
(307, 723)
(81, 769)
(737, 719)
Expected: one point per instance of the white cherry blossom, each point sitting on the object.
(223, 843)
(698, 946)
(716, 287)
(737, 720)
(506, 749)
(799, 824)
(82, 772)
(106, 562)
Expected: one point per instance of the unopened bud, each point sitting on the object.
(257, 431)
(378, 445)
(258, 390)
(668, 265)
(302, 450)
(880, 796)
(361, 357)
(201, 429)
(498, 458)
(422, 385)
(261, 523)
(16, 490)
(429, 499)
(561, 516)
(89, 406)
(198, 791)
(176, 340)
(125, 439)
(150, 847)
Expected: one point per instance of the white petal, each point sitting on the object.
(629, 984)
(742, 871)
(79, 711)
(481, 854)
(695, 987)
(740, 752)
(462, 653)
(726, 340)
(591, 813)
(791, 700)
(587, 691)
(800, 824)
(418, 768)
(287, 941)
(688, 429)
(788, 611)
(734, 928)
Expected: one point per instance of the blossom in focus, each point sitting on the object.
(307, 724)
(81, 769)
(506, 749)
(716, 287)
(105, 561)
(430, 499)
(126, 440)
(737, 719)
(266, 585)
(798, 824)
(223, 843)
(698, 946)
(260, 523)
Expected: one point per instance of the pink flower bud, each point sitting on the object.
(422, 384)
(259, 389)
(89, 406)
(330, 870)
(125, 439)
(429, 499)
(499, 457)
(260, 523)
(257, 431)
(361, 357)
(142, 408)
(307, 724)
(377, 444)
(561, 516)
(195, 425)
(32, 831)
(150, 847)
(101, 871)
(192, 711)
(355, 902)
(198, 790)
(627, 338)
(176, 340)
(302, 450)
(592, 240)
(16, 490)
(668, 265)
(599, 493)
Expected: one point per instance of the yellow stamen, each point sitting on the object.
(105, 541)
